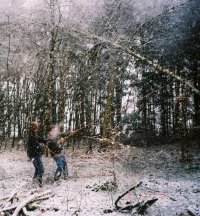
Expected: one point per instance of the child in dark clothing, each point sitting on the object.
(55, 145)
(35, 150)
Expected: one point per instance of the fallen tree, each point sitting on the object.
(141, 207)
(22, 205)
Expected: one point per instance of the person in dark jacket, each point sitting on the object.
(55, 145)
(35, 150)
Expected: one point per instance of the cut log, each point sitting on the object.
(15, 191)
(15, 206)
(30, 199)
(13, 194)
(8, 208)
(25, 211)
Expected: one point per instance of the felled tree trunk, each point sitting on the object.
(28, 200)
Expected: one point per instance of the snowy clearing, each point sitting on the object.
(176, 186)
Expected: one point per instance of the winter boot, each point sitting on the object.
(58, 174)
(39, 179)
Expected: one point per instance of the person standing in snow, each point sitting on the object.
(55, 145)
(35, 150)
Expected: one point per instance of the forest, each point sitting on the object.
(94, 67)
(121, 77)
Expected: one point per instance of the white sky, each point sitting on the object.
(29, 4)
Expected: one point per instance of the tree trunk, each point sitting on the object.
(196, 96)
(108, 107)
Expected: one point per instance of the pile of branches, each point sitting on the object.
(17, 204)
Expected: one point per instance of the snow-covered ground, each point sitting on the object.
(163, 176)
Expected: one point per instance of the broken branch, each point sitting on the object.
(129, 207)
(29, 199)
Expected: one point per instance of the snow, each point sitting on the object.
(163, 176)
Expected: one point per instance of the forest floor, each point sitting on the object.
(96, 180)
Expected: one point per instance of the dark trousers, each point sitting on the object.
(61, 167)
(39, 168)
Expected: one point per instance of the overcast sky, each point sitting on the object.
(30, 4)
(86, 8)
